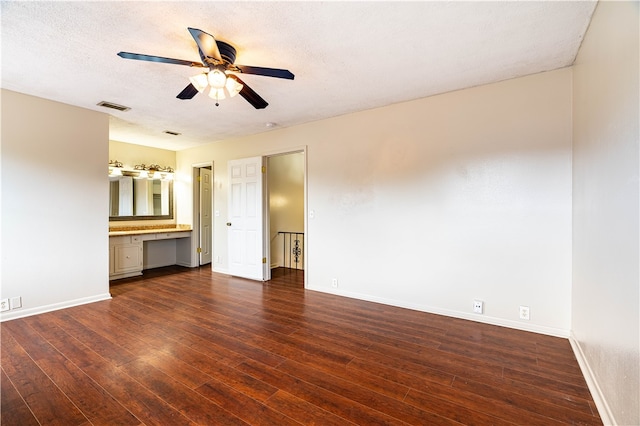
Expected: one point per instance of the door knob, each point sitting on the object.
(228, 223)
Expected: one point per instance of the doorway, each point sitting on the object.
(286, 212)
(203, 213)
(262, 204)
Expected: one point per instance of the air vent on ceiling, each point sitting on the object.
(169, 132)
(113, 106)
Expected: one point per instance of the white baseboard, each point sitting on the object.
(21, 313)
(157, 265)
(596, 393)
(535, 328)
(221, 270)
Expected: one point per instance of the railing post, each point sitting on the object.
(293, 255)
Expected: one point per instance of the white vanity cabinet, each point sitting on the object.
(147, 249)
(125, 254)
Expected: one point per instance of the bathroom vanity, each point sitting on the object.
(133, 250)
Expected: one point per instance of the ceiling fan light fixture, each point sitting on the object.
(230, 89)
(233, 87)
(199, 82)
(217, 94)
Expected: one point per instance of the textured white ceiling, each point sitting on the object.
(346, 56)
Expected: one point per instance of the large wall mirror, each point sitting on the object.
(135, 198)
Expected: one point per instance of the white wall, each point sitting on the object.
(433, 203)
(130, 155)
(605, 301)
(55, 249)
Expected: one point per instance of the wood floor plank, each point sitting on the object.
(579, 390)
(189, 346)
(146, 406)
(190, 403)
(488, 406)
(98, 406)
(533, 402)
(232, 343)
(374, 382)
(284, 345)
(246, 408)
(13, 409)
(237, 380)
(457, 409)
(45, 400)
(453, 364)
(106, 348)
(156, 327)
(494, 355)
(308, 413)
(362, 395)
(326, 400)
(394, 370)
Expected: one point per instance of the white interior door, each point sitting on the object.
(125, 202)
(245, 219)
(206, 219)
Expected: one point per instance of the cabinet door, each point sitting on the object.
(127, 258)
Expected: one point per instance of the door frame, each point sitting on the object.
(195, 227)
(266, 212)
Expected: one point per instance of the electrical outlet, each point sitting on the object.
(478, 306)
(4, 305)
(15, 302)
(334, 283)
(524, 313)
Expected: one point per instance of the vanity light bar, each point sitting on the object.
(153, 168)
(140, 170)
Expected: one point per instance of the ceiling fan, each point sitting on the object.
(217, 79)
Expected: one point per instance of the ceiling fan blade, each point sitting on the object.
(249, 94)
(207, 46)
(188, 92)
(269, 72)
(150, 58)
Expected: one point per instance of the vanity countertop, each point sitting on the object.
(138, 230)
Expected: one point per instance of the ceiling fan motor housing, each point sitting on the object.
(227, 52)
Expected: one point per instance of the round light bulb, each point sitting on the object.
(217, 79)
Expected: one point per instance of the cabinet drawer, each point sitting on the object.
(123, 239)
(172, 235)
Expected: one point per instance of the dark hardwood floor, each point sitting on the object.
(188, 346)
